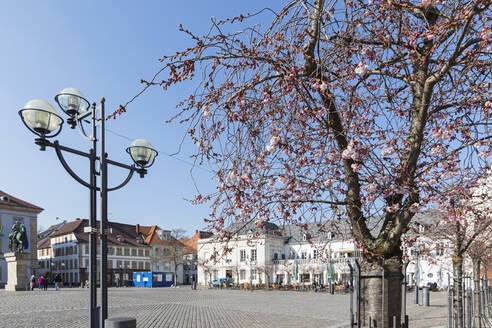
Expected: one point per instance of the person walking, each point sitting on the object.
(45, 283)
(57, 281)
(32, 281)
(40, 282)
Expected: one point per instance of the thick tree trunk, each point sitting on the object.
(477, 304)
(379, 305)
(458, 291)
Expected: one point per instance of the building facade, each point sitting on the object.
(11, 210)
(273, 255)
(131, 249)
(190, 255)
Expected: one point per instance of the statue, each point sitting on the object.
(18, 238)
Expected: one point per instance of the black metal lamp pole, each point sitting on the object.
(43, 120)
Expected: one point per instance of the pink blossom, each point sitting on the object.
(348, 152)
(361, 69)
(274, 140)
(356, 167)
(426, 3)
(484, 154)
(206, 113)
(371, 187)
(388, 151)
(414, 208)
(328, 182)
(282, 179)
(436, 150)
(437, 132)
(393, 208)
(323, 87)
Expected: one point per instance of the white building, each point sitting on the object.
(273, 255)
(12, 209)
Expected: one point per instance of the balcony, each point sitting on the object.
(317, 261)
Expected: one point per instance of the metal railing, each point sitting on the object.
(317, 261)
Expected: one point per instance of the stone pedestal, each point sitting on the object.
(16, 271)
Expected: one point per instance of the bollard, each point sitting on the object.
(420, 299)
(121, 323)
(426, 296)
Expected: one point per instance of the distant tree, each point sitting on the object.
(171, 251)
(364, 105)
(463, 225)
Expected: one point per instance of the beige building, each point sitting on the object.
(12, 209)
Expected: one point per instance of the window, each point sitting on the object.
(242, 255)
(134, 252)
(127, 252)
(253, 255)
(242, 275)
(127, 265)
(283, 256)
(140, 252)
(147, 265)
(315, 254)
(110, 250)
(119, 264)
(146, 252)
(86, 249)
(86, 263)
(118, 251)
(304, 255)
(75, 264)
(253, 275)
(134, 265)
(140, 265)
(215, 274)
(110, 264)
(275, 256)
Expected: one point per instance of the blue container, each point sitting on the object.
(153, 279)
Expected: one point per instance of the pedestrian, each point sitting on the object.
(45, 283)
(32, 282)
(40, 282)
(57, 281)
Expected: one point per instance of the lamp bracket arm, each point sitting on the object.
(128, 178)
(118, 164)
(58, 150)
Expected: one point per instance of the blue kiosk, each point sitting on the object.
(153, 279)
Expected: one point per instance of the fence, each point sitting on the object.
(472, 311)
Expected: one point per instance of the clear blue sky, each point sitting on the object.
(102, 48)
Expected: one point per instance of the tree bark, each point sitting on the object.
(375, 298)
(458, 291)
(477, 304)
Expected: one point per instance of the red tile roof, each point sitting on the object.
(191, 243)
(16, 202)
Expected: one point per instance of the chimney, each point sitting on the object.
(137, 227)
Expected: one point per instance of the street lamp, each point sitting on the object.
(43, 120)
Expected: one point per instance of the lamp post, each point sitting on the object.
(43, 120)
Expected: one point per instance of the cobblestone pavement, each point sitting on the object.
(182, 307)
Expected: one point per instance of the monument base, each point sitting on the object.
(17, 279)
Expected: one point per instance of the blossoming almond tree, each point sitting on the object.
(357, 105)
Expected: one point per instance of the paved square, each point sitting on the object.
(183, 307)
